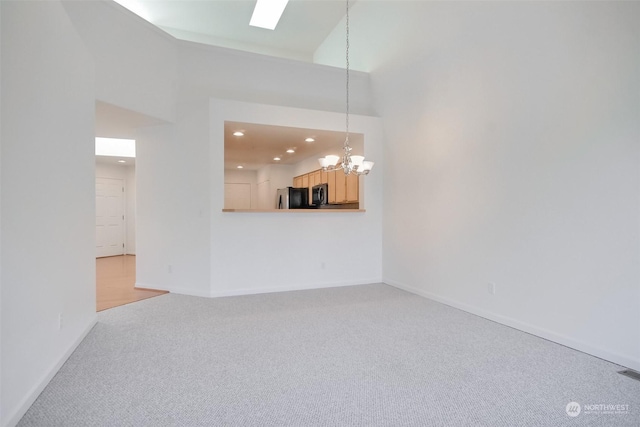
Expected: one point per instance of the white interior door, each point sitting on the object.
(237, 196)
(109, 217)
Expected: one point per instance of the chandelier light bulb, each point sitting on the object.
(357, 162)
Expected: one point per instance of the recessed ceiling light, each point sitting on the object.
(240, 167)
(238, 133)
(309, 140)
(122, 161)
(276, 158)
(267, 13)
(291, 151)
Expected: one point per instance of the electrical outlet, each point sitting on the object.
(491, 288)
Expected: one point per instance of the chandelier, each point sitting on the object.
(355, 165)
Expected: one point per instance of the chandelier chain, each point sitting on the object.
(347, 68)
(350, 165)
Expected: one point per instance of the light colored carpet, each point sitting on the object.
(355, 356)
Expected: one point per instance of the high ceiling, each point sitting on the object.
(303, 27)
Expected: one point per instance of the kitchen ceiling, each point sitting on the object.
(303, 27)
(261, 143)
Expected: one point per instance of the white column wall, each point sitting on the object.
(173, 204)
(280, 176)
(135, 61)
(48, 199)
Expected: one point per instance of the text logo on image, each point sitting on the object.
(573, 409)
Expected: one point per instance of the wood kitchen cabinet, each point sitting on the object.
(331, 186)
(314, 179)
(342, 188)
(352, 190)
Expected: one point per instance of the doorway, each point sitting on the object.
(116, 194)
(115, 282)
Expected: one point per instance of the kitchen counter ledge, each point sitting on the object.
(292, 210)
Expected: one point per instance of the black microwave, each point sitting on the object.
(320, 194)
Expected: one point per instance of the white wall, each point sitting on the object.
(48, 198)
(280, 176)
(1, 138)
(176, 229)
(274, 177)
(135, 61)
(288, 250)
(517, 125)
(207, 71)
(127, 173)
(265, 199)
(175, 184)
(173, 194)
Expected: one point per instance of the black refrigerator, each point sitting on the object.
(292, 198)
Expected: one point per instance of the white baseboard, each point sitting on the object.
(33, 394)
(254, 291)
(322, 285)
(174, 290)
(619, 359)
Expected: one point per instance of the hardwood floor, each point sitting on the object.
(115, 281)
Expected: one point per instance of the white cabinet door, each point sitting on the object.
(109, 217)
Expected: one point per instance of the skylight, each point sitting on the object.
(115, 147)
(267, 13)
(136, 7)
